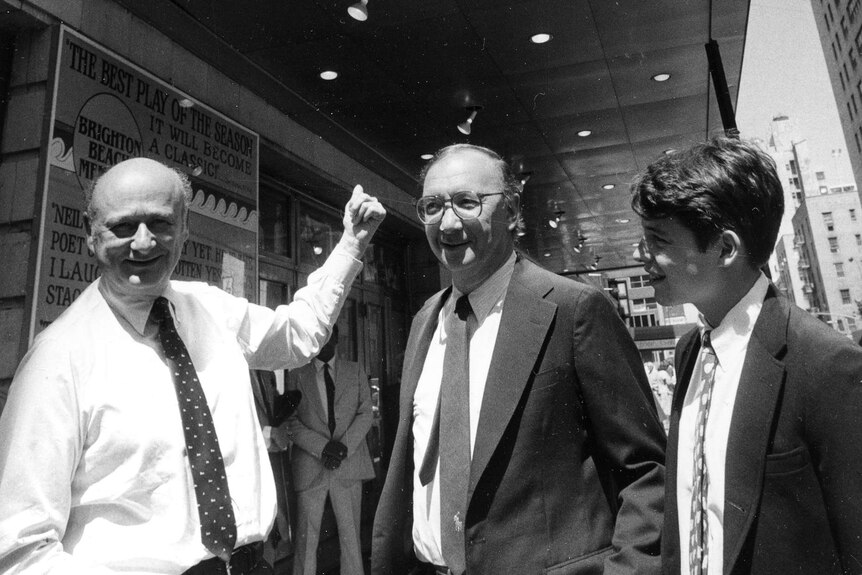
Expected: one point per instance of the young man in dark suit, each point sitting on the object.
(764, 466)
(555, 464)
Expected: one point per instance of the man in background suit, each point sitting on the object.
(330, 455)
(763, 454)
(561, 454)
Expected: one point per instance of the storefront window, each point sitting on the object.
(318, 234)
(274, 218)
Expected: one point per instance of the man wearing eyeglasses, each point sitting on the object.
(528, 441)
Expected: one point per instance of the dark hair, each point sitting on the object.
(722, 184)
(512, 186)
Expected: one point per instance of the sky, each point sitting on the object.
(784, 72)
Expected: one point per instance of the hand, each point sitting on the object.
(280, 437)
(331, 462)
(335, 449)
(362, 216)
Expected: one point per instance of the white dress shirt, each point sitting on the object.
(94, 477)
(487, 303)
(730, 342)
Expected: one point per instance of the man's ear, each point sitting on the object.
(513, 210)
(91, 241)
(731, 248)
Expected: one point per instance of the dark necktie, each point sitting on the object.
(330, 397)
(218, 526)
(699, 533)
(450, 437)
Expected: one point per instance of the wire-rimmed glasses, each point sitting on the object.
(467, 205)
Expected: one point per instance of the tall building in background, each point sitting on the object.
(817, 261)
(828, 241)
(839, 23)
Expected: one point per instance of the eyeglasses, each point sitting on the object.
(466, 205)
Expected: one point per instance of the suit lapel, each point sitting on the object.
(760, 387)
(417, 347)
(308, 380)
(523, 326)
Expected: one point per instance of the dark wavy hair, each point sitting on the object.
(722, 184)
(512, 186)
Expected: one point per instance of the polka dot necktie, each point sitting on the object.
(218, 526)
(699, 536)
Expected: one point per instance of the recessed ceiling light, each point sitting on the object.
(669, 151)
(661, 77)
(186, 103)
(329, 74)
(426, 156)
(594, 274)
(622, 220)
(547, 254)
(609, 186)
(540, 38)
(636, 245)
(552, 223)
(585, 133)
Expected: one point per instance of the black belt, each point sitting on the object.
(431, 569)
(243, 560)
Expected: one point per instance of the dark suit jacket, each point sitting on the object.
(793, 494)
(567, 472)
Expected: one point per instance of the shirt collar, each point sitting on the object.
(135, 311)
(318, 364)
(486, 296)
(731, 336)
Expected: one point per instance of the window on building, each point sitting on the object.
(852, 215)
(793, 167)
(820, 176)
(851, 324)
(828, 221)
(845, 296)
(838, 42)
(853, 10)
(853, 101)
(835, 52)
(643, 304)
(839, 269)
(845, 28)
(850, 112)
(840, 323)
(833, 245)
(794, 181)
(647, 320)
(851, 54)
(843, 82)
(826, 19)
(274, 223)
(859, 239)
(639, 281)
(831, 14)
(858, 147)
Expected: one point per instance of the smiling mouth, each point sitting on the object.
(141, 263)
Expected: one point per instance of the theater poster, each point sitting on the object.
(106, 109)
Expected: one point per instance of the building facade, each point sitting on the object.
(839, 24)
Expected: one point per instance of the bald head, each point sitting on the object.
(136, 167)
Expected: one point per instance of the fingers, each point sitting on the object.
(362, 207)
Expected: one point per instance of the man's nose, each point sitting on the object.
(450, 220)
(143, 238)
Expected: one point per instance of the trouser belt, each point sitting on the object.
(243, 560)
